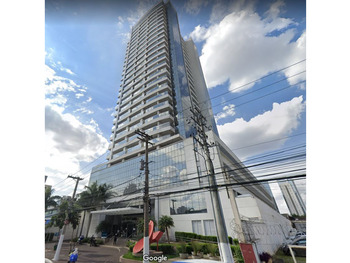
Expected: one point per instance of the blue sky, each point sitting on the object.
(243, 47)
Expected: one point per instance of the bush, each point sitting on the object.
(188, 236)
(213, 249)
(167, 249)
(131, 247)
(189, 249)
(205, 249)
(49, 236)
(237, 254)
(265, 256)
(181, 248)
(130, 243)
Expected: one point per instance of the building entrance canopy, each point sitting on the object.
(119, 211)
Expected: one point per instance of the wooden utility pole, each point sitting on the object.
(66, 222)
(146, 139)
(222, 236)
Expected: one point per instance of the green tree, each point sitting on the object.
(66, 210)
(103, 226)
(166, 222)
(92, 197)
(50, 199)
(140, 224)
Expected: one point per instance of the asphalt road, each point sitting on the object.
(87, 254)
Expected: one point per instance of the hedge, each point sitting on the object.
(237, 254)
(49, 236)
(167, 249)
(187, 236)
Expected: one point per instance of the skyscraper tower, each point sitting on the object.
(162, 81)
(293, 199)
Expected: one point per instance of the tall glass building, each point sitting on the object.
(162, 80)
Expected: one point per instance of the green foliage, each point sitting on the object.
(235, 242)
(103, 226)
(129, 255)
(140, 224)
(49, 236)
(213, 249)
(237, 254)
(165, 222)
(50, 200)
(189, 248)
(131, 247)
(196, 246)
(130, 243)
(181, 248)
(167, 249)
(94, 195)
(205, 249)
(188, 236)
(65, 209)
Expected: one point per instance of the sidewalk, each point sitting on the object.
(101, 254)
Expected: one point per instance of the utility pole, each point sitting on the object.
(66, 222)
(224, 245)
(146, 139)
(236, 216)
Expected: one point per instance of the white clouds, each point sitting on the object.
(244, 46)
(199, 33)
(193, 6)
(55, 84)
(271, 125)
(228, 110)
(69, 142)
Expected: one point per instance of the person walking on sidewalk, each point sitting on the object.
(115, 238)
(73, 257)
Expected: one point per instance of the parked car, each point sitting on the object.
(299, 241)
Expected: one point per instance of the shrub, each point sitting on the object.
(167, 249)
(205, 249)
(265, 256)
(196, 246)
(237, 254)
(130, 243)
(49, 236)
(189, 249)
(131, 247)
(212, 249)
(188, 236)
(99, 241)
(182, 247)
(235, 242)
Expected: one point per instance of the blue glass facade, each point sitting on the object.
(179, 78)
(167, 168)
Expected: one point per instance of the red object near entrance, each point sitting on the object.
(153, 237)
(248, 253)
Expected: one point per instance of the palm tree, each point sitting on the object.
(66, 210)
(50, 200)
(166, 222)
(93, 196)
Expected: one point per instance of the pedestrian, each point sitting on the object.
(115, 238)
(80, 241)
(93, 241)
(73, 257)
